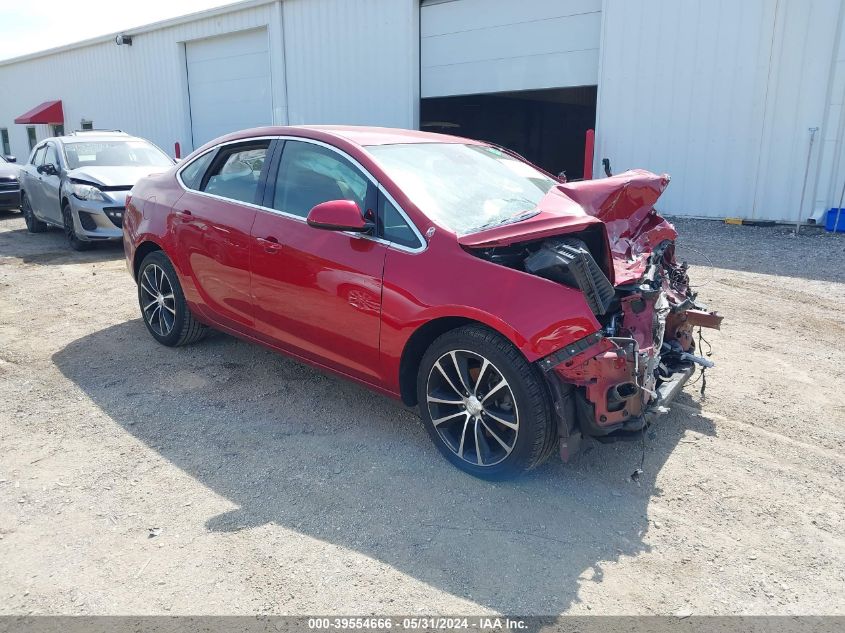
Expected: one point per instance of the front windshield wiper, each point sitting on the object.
(522, 215)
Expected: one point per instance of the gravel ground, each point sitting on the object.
(224, 479)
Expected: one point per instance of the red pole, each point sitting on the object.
(177, 149)
(589, 151)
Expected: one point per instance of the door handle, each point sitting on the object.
(271, 244)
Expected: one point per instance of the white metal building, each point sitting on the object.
(719, 93)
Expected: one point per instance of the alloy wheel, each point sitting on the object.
(158, 302)
(472, 407)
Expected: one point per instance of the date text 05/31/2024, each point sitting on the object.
(417, 623)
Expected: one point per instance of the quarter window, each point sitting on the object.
(394, 227)
(236, 170)
(195, 170)
(312, 174)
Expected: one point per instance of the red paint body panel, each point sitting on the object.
(317, 294)
(350, 304)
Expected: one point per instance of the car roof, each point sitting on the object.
(364, 135)
(357, 135)
(96, 137)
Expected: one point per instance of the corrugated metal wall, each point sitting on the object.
(721, 94)
(478, 46)
(353, 62)
(350, 61)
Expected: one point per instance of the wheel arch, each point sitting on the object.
(422, 338)
(144, 248)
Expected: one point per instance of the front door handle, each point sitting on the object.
(271, 244)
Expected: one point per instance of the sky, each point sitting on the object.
(27, 26)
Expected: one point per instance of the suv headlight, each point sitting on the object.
(87, 192)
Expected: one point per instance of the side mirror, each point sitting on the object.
(338, 215)
(11, 158)
(49, 169)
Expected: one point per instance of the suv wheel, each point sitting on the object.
(484, 405)
(33, 224)
(163, 306)
(70, 232)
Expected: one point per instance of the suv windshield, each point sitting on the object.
(464, 188)
(133, 153)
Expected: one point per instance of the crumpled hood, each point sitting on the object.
(118, 176)
(625, 203)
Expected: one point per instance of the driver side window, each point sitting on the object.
(311, 174)
(51, 158)
(38, 156)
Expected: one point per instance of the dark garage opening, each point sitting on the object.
(545, 126)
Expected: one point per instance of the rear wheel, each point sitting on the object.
(70, 232)
(163, 307)
(484, 406)
(33, 224)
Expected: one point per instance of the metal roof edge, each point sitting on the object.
(138, 30)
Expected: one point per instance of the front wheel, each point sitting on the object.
(484, 406)
(70, 232)
(163, 307)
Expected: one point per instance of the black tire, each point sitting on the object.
(33, 224)
(525, 391)
(183, 328)
(70, 232)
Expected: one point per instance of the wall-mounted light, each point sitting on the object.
(121, 39)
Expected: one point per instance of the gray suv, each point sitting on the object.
(79, 183)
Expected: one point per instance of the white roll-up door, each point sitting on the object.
(229, 84)
(483, 46)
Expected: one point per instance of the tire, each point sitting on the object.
(70, 232)
(169, 319)
(510, 424)
(33, 224)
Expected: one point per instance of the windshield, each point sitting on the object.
(121, 153)
(464, 188)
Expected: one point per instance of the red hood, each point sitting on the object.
(624, 203)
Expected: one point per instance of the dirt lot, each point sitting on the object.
(224, 479)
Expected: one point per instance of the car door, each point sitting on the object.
(32, 184)
(317, 292)
(50, 185)
(211, 224)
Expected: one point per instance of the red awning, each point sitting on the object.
(47, 112)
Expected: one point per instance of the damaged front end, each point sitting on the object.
(605, 385)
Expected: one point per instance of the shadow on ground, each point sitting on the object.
(51, 248)
(293, 447)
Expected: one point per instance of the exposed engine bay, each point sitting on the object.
(609, 384)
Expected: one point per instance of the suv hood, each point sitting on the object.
(624, 204)
(113, 176)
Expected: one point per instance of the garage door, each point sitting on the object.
(479, 46)
(228, 84)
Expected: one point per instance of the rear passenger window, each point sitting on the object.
(235, 171)
(193, 173)
(311, 174)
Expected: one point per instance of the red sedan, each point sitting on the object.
(519, 313)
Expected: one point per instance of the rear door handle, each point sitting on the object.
(271, 244)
